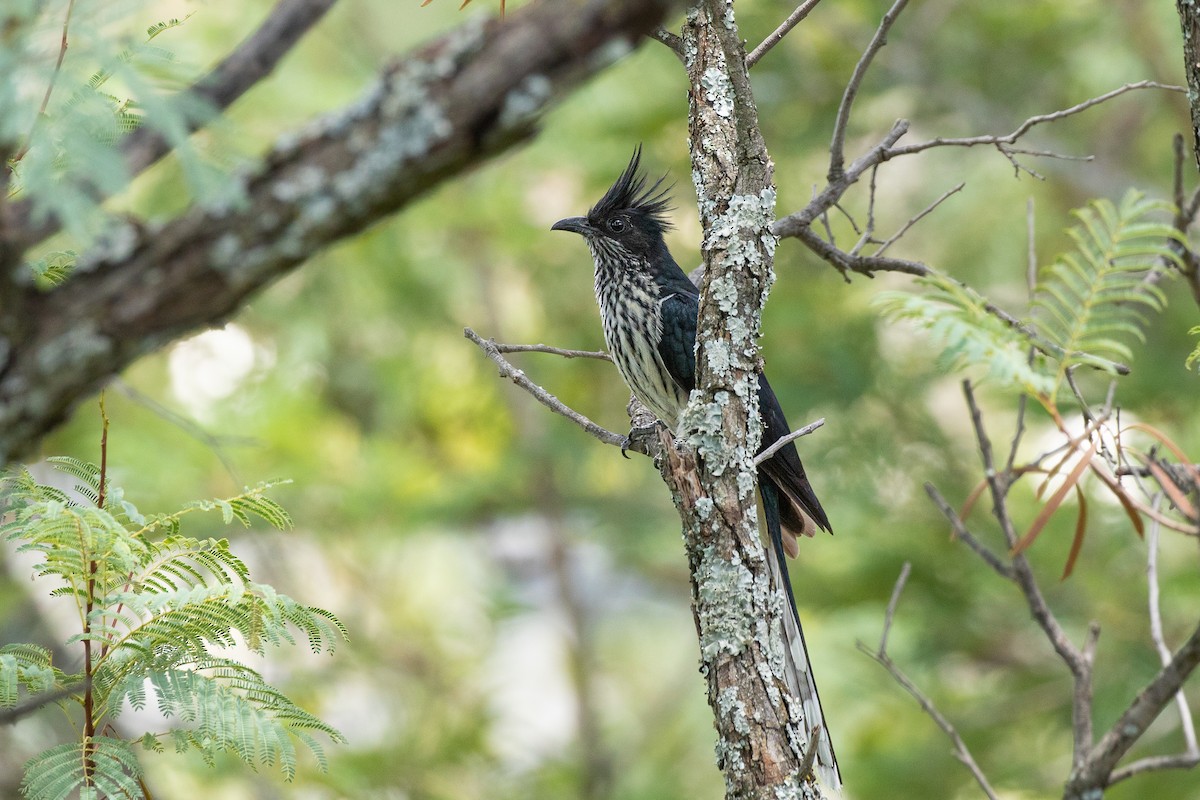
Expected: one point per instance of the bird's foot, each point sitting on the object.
(637, 430)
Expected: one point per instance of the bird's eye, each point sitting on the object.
(616, 225)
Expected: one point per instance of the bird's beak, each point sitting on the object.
(574, 224)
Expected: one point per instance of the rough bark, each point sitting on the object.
(1189, 21)
(738, 612)
(440, 111)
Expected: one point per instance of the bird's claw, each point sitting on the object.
(627, 443)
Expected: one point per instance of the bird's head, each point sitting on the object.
(629, 219)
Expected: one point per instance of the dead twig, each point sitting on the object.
(881, 657)
(782, 441)
(777, 35)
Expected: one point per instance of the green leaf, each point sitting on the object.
(60, 772)
(1089, 303)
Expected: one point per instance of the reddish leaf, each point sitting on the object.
(1080, 529)
(1055, 501)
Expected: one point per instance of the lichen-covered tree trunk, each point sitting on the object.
(761, 746)
(1189, 21)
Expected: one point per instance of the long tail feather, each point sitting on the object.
(798, 670)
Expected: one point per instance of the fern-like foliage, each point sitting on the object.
(971, 336)
(1193, 358)
(94, 768)
(153, 614)
(1086, 307)
(64, 118)
(1090, 302)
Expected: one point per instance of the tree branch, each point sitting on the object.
(507, 370)
(881, 657)
(841, 122)
(782, 441)
(1094, 773)
(475, 92)
(784, 28)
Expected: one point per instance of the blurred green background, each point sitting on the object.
(516, 593)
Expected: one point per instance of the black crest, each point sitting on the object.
(629, 193)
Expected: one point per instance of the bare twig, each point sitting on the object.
(1156, 632)
(545, 348)
(62, 54)
(11, 715)
(783, 440)
(926, 212)
(966, 537)
(507, 370)
(1096, 770)
(961, 751)
(1023, 575)
(672, 40)
(1030, 123)
(837, 146)
(890, 614)
(777, 35)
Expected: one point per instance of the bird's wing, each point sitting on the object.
(677, 344)
(786, 470)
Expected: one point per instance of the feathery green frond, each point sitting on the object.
(1092, 302)
(25, 666)
(226, 706)
(153, 611)
(98, 767)
(971, 336)
(1193, 359)
(1087, 306)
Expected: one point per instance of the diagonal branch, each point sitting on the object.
(793, 19)
(842, 121)
(1094, 773)
(881, 657)
(449, 106)
(517, 376)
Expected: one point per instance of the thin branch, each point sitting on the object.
(254, 59)
(890, 614)
(961, 751)
(1029, 124)
(673, 41)
(1022, 573)
(863, 265)
(777, 35)
(10, 716)
(1156, 631)
(966, 537)
(62, 54)
(507, 370)
(837, 146)
(545, 348)
(782, 441)
(1096, 770)
(1153, 764)
(926, 212)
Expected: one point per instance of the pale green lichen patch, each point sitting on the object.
(718, 91)
(78, 345)
(723, 605)
(526, 101)
(730, 705)
(703, 423)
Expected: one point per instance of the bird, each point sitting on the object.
(648, 310)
